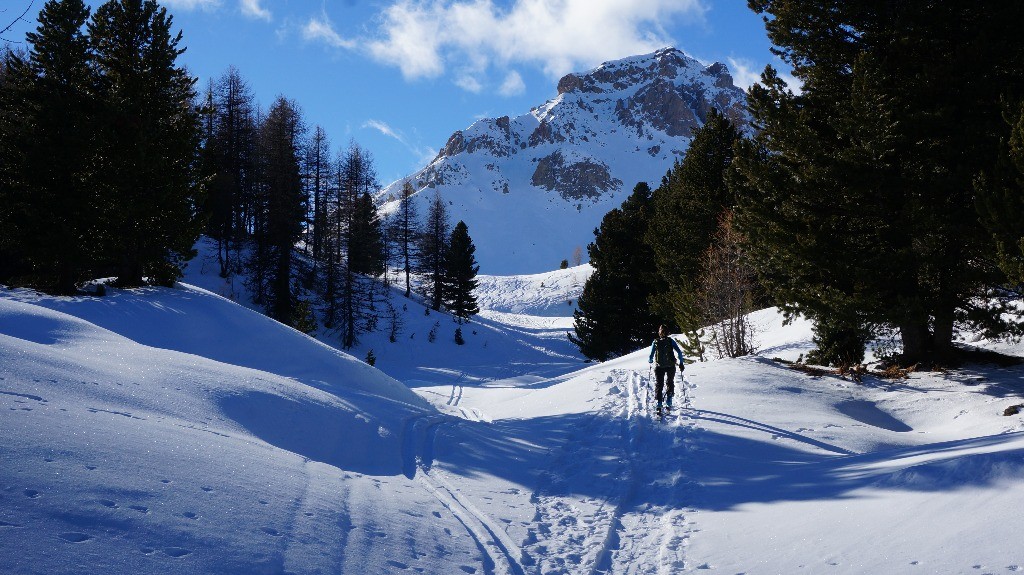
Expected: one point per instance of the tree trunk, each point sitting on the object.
(942, 336)
(916, 339)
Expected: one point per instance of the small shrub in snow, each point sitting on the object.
(432, 336)
(370, 358)
(1013, 410)
(458, 336)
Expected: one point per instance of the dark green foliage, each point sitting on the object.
(687, 208)
(48, 156)
(407, 230)
(431, 250)
(564, 265)
(613, 317)
(149, 144)
(279, 211)
(859, 190)
(229, 156)
(1001, 197)
(460, 274)
(371, 358)
(459, 340)
(840, 342)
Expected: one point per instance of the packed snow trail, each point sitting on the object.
(634, 523)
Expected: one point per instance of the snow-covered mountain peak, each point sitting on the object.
(532, 188)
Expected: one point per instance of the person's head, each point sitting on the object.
(662, 330)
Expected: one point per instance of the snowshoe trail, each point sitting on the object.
(633, 523)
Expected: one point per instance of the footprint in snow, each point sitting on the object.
(189, 515)
(271, 531)
(31, 494)
(108, 503)
(140, 508)
(75, 537)
(177, 551)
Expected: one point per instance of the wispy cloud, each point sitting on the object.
(320, 29)
(423, 154)
(253, 9)
(513, 84)
(425, 37)
(469, 83)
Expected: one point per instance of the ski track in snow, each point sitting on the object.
(635, 526)
(499, 554)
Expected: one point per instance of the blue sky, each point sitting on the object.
(400, 76)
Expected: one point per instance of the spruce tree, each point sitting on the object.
(460, 274)
(613, 316)
(150, 144)
(860, 188)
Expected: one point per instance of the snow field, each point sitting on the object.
(172, 431)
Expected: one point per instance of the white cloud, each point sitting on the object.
(423, 37)
(321, 29)
(513, 85)
(423, 154)
(205, 5)
(745, 74)
(469, 83)
(385, 129)
(253, 9)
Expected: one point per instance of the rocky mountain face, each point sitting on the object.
(533, 188)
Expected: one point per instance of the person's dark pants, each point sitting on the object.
(665, 376)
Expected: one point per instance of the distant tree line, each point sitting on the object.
(112, 165)
(887, 194)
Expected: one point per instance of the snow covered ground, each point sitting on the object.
(174, 431)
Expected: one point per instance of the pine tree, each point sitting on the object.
(433, 243)
(320, 168)
(613, 316)
(460, 274)
(281, 211)
(229, 155)
(1001, 197)
(50, 132)
(859, 188)
(150, 148)
(687, 208)
(408, 230)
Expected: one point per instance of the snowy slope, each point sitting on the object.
(172, 431)
(534, 187)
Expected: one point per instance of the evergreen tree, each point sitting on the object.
(613, 316)
(687, 208)
(859, 188)
(229, 155)
(150, 148)
(433, 243)
(280, 213)
(319, 166)
(460, 274)
(356, 239)
(1001, 198)
(49, 132)
(407, 232)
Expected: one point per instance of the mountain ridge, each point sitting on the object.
(534, 186)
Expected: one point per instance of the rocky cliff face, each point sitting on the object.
(536, 185)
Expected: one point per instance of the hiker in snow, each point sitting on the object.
(665, 349)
